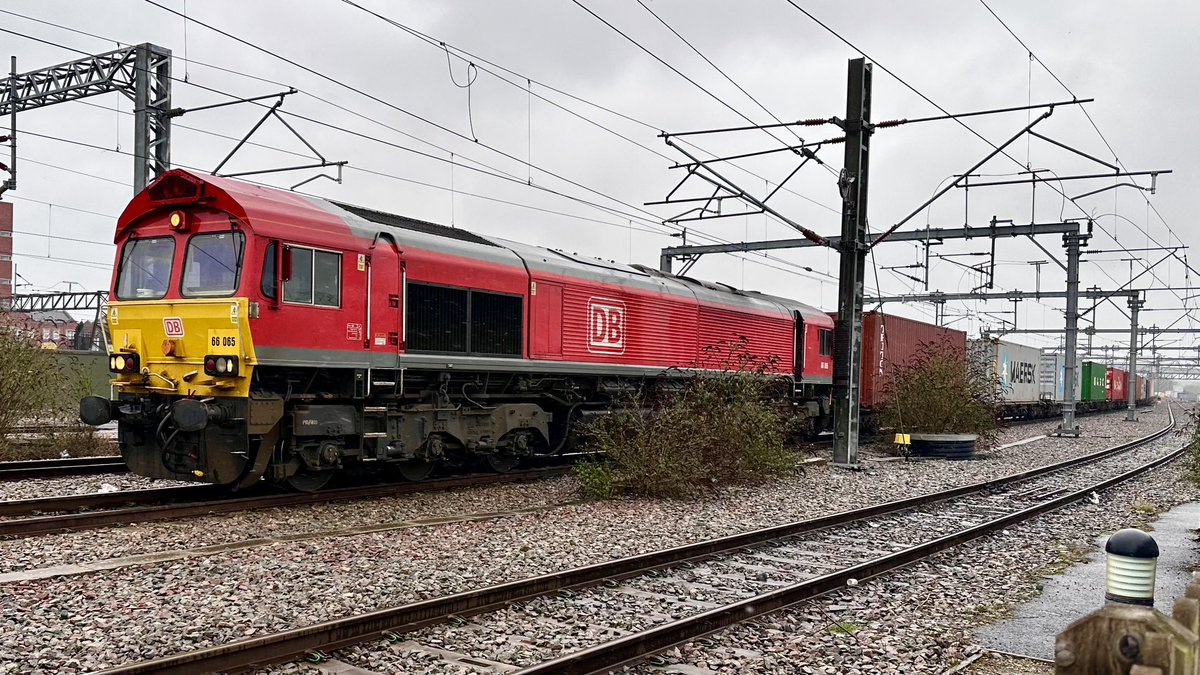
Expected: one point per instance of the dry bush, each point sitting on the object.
(1189, 429)
(721, 422)
(942, 391)
(36, 388)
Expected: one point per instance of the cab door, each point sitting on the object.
(801, 342)
(385, 293)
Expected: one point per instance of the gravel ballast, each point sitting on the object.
(818, 490)
(90, 621)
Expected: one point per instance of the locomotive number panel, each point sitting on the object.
(223, 341)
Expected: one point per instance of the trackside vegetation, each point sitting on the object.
(941, 390)
(37, 388)
(716, 424)
(1190, 429)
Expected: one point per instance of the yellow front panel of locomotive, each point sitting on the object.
(172, 338)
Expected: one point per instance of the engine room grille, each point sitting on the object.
(452, 320)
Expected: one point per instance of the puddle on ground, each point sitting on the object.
(1080, 589)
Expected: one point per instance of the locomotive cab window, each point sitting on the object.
(316, 277)
(145, 268)
(268, 271)
(463, 321)
(825, 341)
(213, 264)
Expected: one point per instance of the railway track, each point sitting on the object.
(699, 588)
(200, 500)
(67, 466)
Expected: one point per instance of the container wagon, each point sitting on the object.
(890, 342)
(1019, 369)
(1117, 381)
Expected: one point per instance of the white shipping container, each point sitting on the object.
(1016, 366)
(1052, 377)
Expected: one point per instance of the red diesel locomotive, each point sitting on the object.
(259, 333)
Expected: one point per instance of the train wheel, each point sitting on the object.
(503, 462)
(415, 470)
(310, 480)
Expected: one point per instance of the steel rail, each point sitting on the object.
(143, 514)
(634, 648)
(67, 466)
(97, 500)
(266, 649)
(57, 461)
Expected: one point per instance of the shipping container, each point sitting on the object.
(1094, 381)
(892, 341)
(1052, 378)
(1117, 381)
(1014, 364)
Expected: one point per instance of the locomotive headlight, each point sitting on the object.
(177, 220)
(123, 363)
(221, 365)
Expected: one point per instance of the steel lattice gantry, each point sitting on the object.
(95, 301)
(48, 302)
(141, 72)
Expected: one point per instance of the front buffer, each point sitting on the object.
(181, 438)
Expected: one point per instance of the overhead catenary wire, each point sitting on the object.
(605, 207)
(760, 255)
(529, 81)
(716, 67)
(504, 176)
(672, 68)
(1150, 205)
(783, 265)
(927, 99)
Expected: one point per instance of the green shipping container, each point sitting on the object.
(1093, 381)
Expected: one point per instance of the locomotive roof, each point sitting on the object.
(406, 223)
(285, 214)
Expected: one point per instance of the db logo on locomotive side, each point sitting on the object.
(606, 326)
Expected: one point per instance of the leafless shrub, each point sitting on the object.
(942, 391)
(722, 422)
(36, 389)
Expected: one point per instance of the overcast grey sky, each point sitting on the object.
(580, 99)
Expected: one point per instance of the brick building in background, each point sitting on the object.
(6, 249)
(55, 329)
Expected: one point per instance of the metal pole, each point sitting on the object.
(847, 340)
(1072, 243)
(1135, 303)
(11, 183)
(151, 119)
(141, 119)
